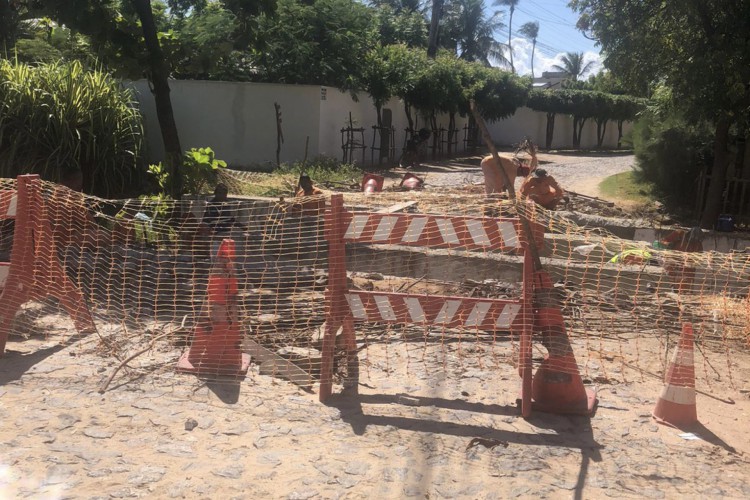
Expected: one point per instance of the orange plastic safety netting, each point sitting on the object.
(145, 270)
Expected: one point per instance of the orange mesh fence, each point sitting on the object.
(152, 275)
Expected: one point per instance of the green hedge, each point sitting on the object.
(59, 117)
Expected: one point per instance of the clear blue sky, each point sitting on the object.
(557, 34)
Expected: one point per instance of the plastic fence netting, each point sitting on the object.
(156, 278)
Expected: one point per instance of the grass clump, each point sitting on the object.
(626, 186)
(325, 172)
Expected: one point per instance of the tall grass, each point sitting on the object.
(59, 117)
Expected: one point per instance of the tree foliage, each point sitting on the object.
(574, 65)
(582, 105)
(60, 117)
(671, 152)
(530, 30)
(470, 34)
(697, 48)
(321, 43)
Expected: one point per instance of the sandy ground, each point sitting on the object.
(579, 173)
(435, 418)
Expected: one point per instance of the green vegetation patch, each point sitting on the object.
(626, 186)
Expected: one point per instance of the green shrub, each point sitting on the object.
(671, 153)
(199, 171)
(323, 169)
(60, 117)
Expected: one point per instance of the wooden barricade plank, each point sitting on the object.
(344, 307)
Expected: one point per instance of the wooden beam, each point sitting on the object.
(398, 207)
(273, 364)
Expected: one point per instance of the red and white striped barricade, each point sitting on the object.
(34, 271)
(557, 386)
(345, 306)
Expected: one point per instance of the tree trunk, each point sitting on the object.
(510, 31)
(159, 79)
(7, 28)
(578, 124)
(437, 9)
(550, 130)
(451, 132)
(718, 174)
(435, 137)
(619, 133)
(407, 110)
(601, 130)
(533, 49)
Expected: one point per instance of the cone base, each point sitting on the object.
(581, 407)
(674, 414)
(184, 365)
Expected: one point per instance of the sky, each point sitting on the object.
(557, 35)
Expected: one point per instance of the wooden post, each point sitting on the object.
(17, 286)
(334, 297)
(531, 244)
(491, 146)
(280, 134)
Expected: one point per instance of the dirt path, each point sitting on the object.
(581, 174)
(434, 419)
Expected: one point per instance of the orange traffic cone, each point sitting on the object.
(557, 386)
(411, 181)
(372, 183)
(676, 405)
(217, 336)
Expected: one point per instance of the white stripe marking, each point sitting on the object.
(679, 395)
(12, 206)
(384, 228)
(414, 231)
(356, 226)
(683, 357)
(384, 307)
(478, 234)
(4, 270)
(356, 306)
(447, 312)
(508, 232)
(447, 231)
(415, 309)
(477, 314)
(508, 315)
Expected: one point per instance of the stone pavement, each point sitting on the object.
(456, 434)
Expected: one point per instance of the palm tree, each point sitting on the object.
(437, 11)
(512, 4)
(471, 35)
(531, 31)
(573, 65)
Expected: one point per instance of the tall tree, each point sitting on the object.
(471, 34)
(512, 4)
(320, 44)
(573, 64)
(159, 79)
(531, 31)
(437, 12)
(698, 48)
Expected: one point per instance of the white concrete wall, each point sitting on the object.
(533, 124)
(238, 121)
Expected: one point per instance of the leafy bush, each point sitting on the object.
(671, 153)
(60, 117)
(199, 171)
